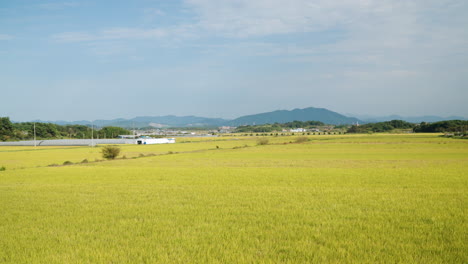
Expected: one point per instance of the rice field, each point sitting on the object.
(333, 199)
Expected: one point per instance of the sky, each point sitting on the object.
(88, 60)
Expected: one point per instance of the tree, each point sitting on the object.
(443, 126)
(380, 126)
(112, 132)
(110, 152)
(6, 128)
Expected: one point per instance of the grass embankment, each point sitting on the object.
(339, 199)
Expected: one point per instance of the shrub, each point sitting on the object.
(67, 162)
(84, 161)
(110, 152)
(2, 168)
(262, 141)
(301, 139)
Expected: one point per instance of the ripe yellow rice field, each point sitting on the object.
(376, 198)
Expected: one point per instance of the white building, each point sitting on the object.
(148, 141)
(126, 136)
(297, 130)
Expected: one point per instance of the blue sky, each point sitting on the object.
(73, 60)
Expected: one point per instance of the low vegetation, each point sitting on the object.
(262, 141)
(25, 131)
(381, 126)
(111, 152)
(301, 139)
(278, 127)
(443, 126)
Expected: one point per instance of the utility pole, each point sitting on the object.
(34, 134)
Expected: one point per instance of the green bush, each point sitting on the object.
(2, 168)
(262, 141)
(110, 152)
(67, 162)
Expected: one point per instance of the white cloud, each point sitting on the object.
(246, 18)
(250, 18)
(154, 12)
(5, 37)
(58, 5)
(151, 14)
(73, 37)
(132, 33)
(111, 34)
(385, 23)
(366, 24)
(372, 32)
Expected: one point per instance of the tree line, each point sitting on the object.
(387, 126)
(436, 127)
(25, 131)
(278, 126)
(380, 126)
(443, 126)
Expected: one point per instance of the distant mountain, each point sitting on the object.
(282, 116)
(150, 121)
(62, 122)
(411, 119)
(179, 121)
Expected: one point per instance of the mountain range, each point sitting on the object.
(411, 119)
(307, 114)
(280, 116)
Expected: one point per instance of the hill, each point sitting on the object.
(152, 121)
(411, 119)
(381, 126)
(282, 116)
